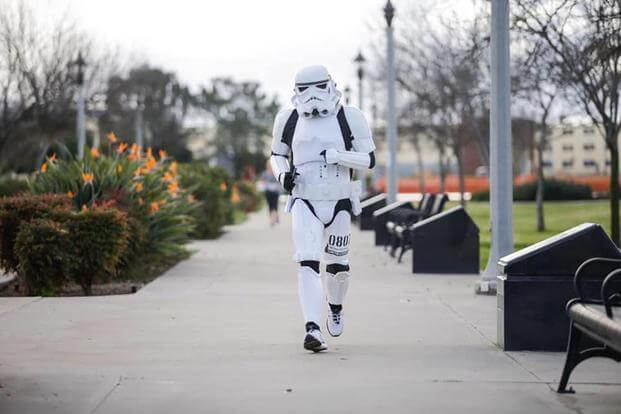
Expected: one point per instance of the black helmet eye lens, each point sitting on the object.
(322, 85)
(302, 88)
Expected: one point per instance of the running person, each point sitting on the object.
(315, 148)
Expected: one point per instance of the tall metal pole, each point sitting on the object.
(501, 175)
(391, 124)
(81, 118)
(139, 121)
(359, 59)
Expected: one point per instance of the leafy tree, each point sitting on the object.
(164, 103)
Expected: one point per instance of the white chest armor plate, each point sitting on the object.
(311, 137)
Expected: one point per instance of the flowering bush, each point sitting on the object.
(249, 197)
(208, 186)
(140, 183)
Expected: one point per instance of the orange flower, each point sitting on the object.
(163, 154)
(139, 187)
(84, 208)
(235, 199)
(153, 207)
(222, 186)
(95, 152)
(44, 167)
(150, 165)
(137, 172)
(88, 178)
(122, 147)
(135, 149)
(167, 177)
(70, 194)
(149, 152)
(132, 157)
(162, 202)
(111, 137)
(173, 188)
(52, 158)
(173, 168)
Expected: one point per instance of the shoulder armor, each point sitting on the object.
(284, 125)
(363, 138)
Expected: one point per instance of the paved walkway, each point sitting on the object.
(222, 333)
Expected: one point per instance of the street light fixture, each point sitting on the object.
(391, 124)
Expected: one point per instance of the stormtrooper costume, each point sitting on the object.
(315, 148)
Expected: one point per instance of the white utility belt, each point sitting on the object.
(328, 192)
(333, 191)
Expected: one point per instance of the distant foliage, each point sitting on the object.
(554, 190)
(10, 186)
(209, 186)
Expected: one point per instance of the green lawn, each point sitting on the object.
(559, 216)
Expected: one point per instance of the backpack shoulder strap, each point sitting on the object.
(345, 130)
(289, 129)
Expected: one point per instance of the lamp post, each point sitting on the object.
(347, 94)
(139, 122)
(81, 118)
(501, 176)
(391, 124)
(359, 60)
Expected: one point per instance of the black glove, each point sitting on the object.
(288, 181)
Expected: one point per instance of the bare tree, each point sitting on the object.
(37, 82)
(535, 85)
(584, 40)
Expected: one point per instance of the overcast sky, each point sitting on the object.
(263, 40)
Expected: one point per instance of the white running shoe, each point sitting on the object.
(334, 323)
(313, 341)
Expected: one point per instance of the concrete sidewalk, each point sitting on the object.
(222, 333)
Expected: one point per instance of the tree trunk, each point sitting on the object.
(421, 170)
(460, 173)
(541, 226)
(611, 141)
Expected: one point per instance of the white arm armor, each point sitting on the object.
(349, 159)
(280, 151)
(363, 145)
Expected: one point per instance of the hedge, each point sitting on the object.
(554, 190)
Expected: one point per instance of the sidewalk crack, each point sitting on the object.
(105, 397)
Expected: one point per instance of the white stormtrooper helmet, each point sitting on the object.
(315, 93)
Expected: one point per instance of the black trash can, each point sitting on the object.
(536, 283)
(380, 217)
(365, 220)
(447, 242)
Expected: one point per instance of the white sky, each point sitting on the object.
(263, 40)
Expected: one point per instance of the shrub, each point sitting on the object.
(554, 190)
(41, 246)
(96, 240)
(10, 186)
(225, 184)
(249, 197)
(14, 211)
(84, 247)
(204, 185)
(136, 182)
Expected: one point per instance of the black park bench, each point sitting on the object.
(595, 323)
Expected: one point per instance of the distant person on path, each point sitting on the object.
(315, 147)
(271, 188)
